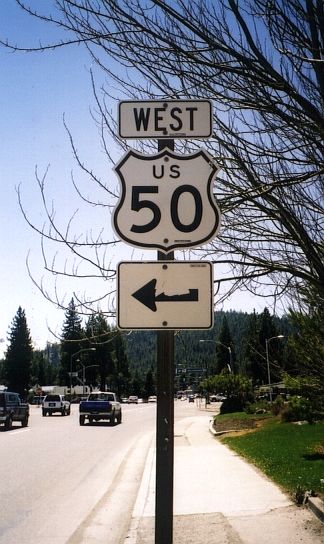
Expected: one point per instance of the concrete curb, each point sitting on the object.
(211, 427)
(219, 433)
(316, 505)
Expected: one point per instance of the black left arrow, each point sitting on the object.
(146, 295)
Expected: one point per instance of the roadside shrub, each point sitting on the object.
(232, 404)
(298, 409)
(300, 495)
(278, 405)
(236, 388)
(260, 407)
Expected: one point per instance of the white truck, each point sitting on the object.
(100, 405)
(56, 403)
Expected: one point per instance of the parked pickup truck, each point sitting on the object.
(12, 409)
(100, 405)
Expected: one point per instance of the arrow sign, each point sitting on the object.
(146, 295)
(143, 288)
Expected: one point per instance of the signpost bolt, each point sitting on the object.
(164, 323)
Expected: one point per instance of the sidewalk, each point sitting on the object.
(219, 498)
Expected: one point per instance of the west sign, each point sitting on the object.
(165, 295)
(166, 119)
(166, 200)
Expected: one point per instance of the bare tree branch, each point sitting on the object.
(261, 63)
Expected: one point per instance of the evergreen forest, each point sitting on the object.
(126, 361)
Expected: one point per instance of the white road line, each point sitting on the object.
(18, 431)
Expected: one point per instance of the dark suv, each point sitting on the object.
(12, 409)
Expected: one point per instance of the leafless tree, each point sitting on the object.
(261, 63)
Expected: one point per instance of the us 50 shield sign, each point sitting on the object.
(166, 200)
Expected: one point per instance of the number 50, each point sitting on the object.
(139, 204)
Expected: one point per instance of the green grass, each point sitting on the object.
(291, 455)
(243, 416)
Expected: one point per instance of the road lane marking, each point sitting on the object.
(18, 431)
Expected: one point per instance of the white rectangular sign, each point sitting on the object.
(165, 119)
(165, 295)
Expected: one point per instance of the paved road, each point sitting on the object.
(66, 484)
(55, 475)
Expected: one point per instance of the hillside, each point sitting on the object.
(190, 354)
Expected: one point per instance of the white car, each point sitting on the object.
(216, 398)
(56, 403)
(152, 398)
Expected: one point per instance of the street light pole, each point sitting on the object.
(71, 361)
(230, 366)
(230, 359)
(84, 368)
(89, 349)
(268, 362)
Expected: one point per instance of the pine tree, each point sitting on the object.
(19, 355)
(72, 335)
(137, 384)
(253, 356)
(100, 336)
(38, 369)
(149, 387)
(268, 330)
(224, 348)
(306, 343)
(43, 372)
(53, 354)
(122, 375)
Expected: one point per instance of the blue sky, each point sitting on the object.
(36, 90)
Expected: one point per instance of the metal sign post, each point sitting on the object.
(164, 438)
(164, 422)
(166, 202)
